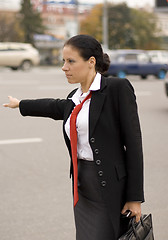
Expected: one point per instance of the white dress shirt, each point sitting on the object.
(84, 150)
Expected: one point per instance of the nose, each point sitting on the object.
(64, 67)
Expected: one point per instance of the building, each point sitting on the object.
(62, 19)
(163, 22)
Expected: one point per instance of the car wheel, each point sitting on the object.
(144, 76)
(121, 74)
(26, 65)
(14, 68)
(161, 74)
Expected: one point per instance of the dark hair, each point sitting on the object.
(88, 47)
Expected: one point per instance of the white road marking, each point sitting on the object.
(19, 141)
(52, 87)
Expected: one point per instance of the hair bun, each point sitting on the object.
(105, 64)
(106, 58)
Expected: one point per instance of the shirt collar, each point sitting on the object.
(96, 83)
(79, 95)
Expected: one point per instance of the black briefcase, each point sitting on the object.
(143, 230)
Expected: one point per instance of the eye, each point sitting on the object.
(71, 61)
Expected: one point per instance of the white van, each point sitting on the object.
(18, 55)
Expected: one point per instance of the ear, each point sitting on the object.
(92, 62)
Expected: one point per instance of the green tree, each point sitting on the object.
(120, 27)
(93, 23)
(128, 27)
(31, 21)
(146, 32)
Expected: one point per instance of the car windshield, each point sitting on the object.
(143, 58)
(129, 57)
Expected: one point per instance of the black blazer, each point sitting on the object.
(114, 137)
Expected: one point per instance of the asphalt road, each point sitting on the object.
(35, 190)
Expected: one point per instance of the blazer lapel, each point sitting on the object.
(69, 106)
(68, 110)
(96, 105)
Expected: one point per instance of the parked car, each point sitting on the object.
(166, 85)
(18, 55)
(158, 56)
(134, 62)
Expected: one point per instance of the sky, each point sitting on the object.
(14, 4)
(131, 3)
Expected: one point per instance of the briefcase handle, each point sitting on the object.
(134, 224)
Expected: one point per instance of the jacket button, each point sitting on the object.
(100, 173)
(96, 151)
(98, 162)
(92, 140)
(103, 183)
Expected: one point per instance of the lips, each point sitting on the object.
(68, 75)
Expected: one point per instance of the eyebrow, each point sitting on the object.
(68, 59)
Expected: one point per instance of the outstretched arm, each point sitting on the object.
(46, 107)
(13, 102)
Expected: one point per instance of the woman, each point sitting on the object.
(109, 146)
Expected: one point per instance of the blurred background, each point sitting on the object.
(35, 190)
(116, 24)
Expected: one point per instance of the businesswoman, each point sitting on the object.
(107, 158)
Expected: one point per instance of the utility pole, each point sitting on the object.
(105, 24)
(77, 16)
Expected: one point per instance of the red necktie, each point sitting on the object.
(73, 139)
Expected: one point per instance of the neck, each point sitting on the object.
(86, 84)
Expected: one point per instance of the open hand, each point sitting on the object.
(13, 102)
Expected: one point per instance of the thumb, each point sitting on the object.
(10, 97)
(124, 209)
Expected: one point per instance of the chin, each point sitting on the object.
(71, 81)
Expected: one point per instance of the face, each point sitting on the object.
(77, 70)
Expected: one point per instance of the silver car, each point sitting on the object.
(18, 55)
